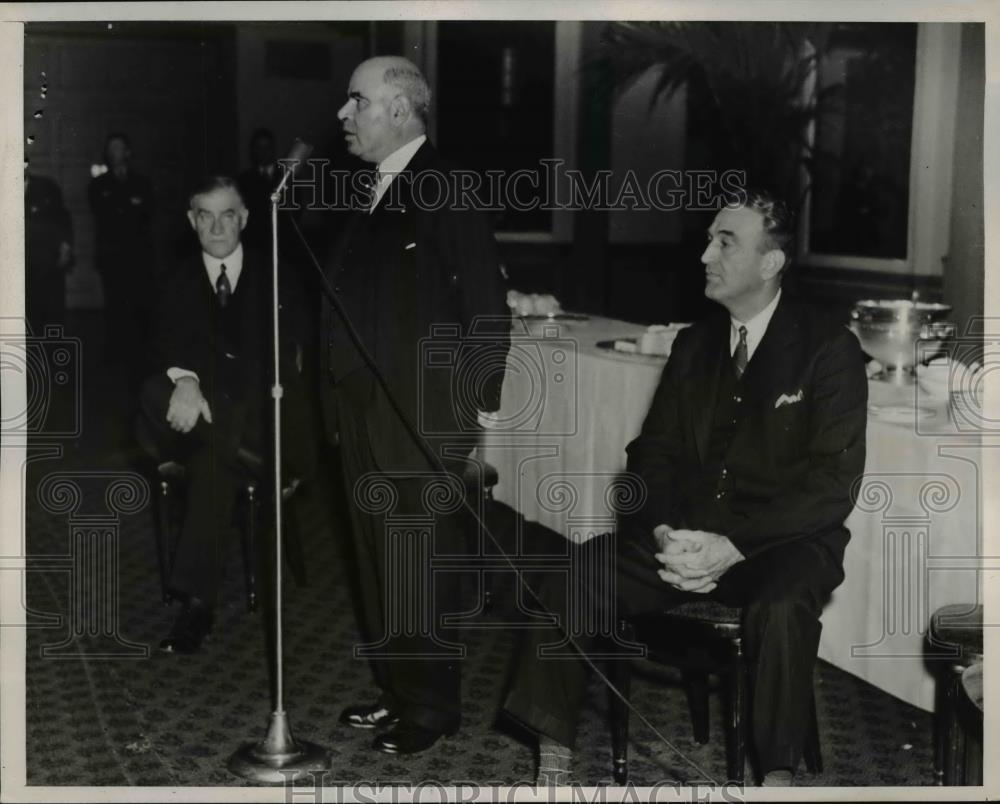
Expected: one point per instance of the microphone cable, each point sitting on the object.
(436, 464)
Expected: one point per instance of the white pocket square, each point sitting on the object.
(410, 245)
(788, 399)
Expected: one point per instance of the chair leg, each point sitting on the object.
(972, 759)
(953, 737)
(486, 576)
(164, 540)
(940, 704)
(486, 585)
(250, 548)
(487, 592)
(696, 689)
(620, 673)
(812, 754)
(293, 543)
(736, 725)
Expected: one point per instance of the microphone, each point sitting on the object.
(299, 153)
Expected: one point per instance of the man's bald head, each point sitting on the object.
(405, 76)
(387, 104)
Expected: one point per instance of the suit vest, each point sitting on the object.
(711, 504)
(229, 361)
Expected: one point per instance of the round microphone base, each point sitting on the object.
(279, 758)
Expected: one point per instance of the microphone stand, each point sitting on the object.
(279, 757)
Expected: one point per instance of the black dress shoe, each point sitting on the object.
(368, 716)
(191, 627)
(408, 738)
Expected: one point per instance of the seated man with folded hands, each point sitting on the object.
(748, 454)
(208, 405)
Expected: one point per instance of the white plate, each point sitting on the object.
(608, 348)
(900, 414)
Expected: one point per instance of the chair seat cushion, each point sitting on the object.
(972, 685)
(473, 480)
(701, 623)
(171, 470)
(709, 611)
(959, 625)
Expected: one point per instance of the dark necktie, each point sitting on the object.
(740, 355)
(370, 185)
(223, 290)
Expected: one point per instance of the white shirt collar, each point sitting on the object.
(233, 263)
(756, 327)
(394, 163)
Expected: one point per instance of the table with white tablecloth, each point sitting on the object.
(570, 407)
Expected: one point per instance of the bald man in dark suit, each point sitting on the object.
(403, 268)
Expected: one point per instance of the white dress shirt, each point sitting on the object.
(233, 263)
(213, 269)
(394, 163)
(756, 327)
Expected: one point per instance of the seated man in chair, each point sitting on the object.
(748, 453)
(209, 404)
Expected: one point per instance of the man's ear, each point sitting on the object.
(244, 216)
(192, 219)
(774, 261)
(399, 110)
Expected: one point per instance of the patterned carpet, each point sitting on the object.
(148, 719)
(169, 720)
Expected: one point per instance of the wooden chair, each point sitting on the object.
(702, 638)
(479, 478)
(970, 722)
(171, 475)
(955, 643)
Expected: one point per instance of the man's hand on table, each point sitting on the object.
(186, 404)
(694, 560)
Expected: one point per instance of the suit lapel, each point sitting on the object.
(769, 365)
(399, 195)
(202, 292)
(251, 309)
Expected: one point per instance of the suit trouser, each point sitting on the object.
(208, 453)
(782, 591)
(415, 660)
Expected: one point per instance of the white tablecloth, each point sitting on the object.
(570, 408)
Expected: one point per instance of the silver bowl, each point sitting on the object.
(899, 332)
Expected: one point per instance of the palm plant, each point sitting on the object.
(756, 79)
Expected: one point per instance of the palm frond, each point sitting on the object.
(755, 73)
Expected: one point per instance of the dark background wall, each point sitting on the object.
(189, 94)
(170, 87)
(964, 271)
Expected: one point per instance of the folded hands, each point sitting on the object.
(694, 560)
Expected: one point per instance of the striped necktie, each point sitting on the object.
(223, 290)
(740, 355)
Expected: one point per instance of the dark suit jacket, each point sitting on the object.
(184, 336)
(402, 271)
(123, 214)
(47, 224)
(790, 466)
(256, 189)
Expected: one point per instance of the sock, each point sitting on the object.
(781, 777)
(554, 760)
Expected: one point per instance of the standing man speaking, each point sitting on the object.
(405, 271)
